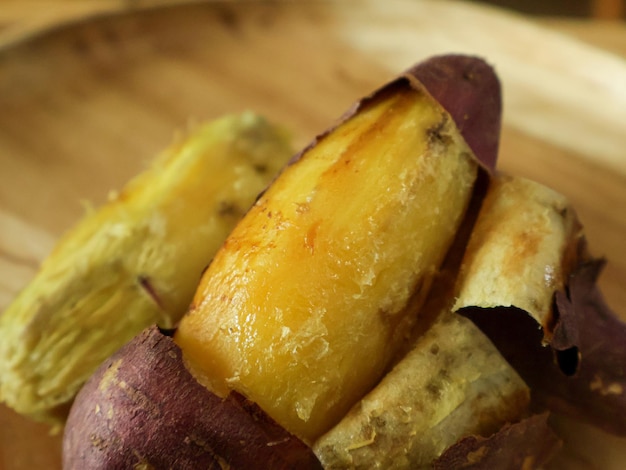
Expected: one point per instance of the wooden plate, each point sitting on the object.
(86, 104)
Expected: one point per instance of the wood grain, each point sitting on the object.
(86, 104)
(606, 35)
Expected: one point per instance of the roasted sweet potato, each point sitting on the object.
(133, 262)
(330, 266)
(328, 332)
(292, 340)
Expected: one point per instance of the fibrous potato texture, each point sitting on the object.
(133, 262)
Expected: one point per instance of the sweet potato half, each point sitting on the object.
(133, 262)
(326, 332)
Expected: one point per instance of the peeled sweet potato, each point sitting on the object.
(133, 262)
(326, 331)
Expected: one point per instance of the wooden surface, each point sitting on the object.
(88, 94)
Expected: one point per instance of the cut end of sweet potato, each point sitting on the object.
(469, 90)
(142, 409)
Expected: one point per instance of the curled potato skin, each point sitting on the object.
(469, 90)
(467, 87)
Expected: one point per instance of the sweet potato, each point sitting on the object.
(151, 413)
(330, 267)
(325, 332)
(133, 262)
(345, 214)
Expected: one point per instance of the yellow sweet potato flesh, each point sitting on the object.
(133, 262)
(313, 292)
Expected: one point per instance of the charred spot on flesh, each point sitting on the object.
(436, 135)
(434, 389)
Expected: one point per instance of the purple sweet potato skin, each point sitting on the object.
(593, 338)
(142, 406)
(466, 87)
(469, 90)
(527, 444)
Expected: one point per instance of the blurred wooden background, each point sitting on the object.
(107, 74)
(599, 9)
